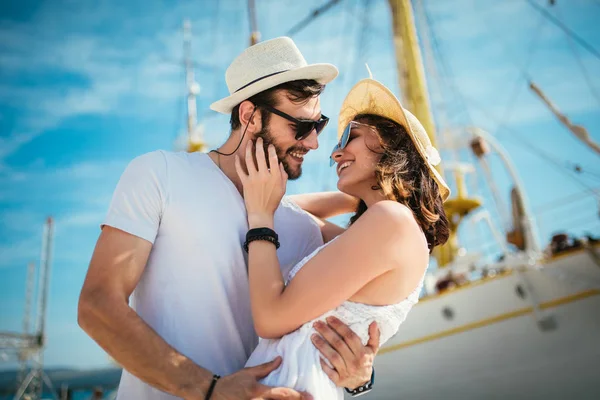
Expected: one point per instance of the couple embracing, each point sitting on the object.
(207, 282)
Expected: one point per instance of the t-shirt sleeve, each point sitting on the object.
(310, 238)
(313, 240)
(138, 201)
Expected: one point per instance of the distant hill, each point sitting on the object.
(76, 379)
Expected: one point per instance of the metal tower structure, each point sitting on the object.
(27, 347)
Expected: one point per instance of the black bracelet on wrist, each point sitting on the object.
(215, 378)
(261, 234)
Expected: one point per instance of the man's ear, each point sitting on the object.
(250, 117)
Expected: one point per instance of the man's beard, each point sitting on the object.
(268, 139)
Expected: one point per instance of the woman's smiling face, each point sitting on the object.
(356, 162)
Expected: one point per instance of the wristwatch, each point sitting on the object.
(367, 387)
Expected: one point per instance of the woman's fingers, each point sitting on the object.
(273, 162)
(261, 161)
(250, 160)
(258, 157)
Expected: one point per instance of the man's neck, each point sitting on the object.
(227, 166)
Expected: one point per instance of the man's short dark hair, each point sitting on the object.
(300, 91)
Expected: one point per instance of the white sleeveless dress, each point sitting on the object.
(301, 368)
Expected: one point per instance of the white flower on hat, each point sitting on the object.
(432, 155)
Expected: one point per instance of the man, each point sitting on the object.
(174, 233)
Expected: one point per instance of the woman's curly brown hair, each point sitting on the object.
(402, 176)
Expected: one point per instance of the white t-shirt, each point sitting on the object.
(194, 290)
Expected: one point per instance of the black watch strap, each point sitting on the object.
(367, 387)
(209, 393)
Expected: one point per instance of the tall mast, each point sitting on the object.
(410, 65)
(415, 97)
(254, 33)
(195, 139)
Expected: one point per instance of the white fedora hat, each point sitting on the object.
(266, 65)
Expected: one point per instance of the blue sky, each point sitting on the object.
(87, 86)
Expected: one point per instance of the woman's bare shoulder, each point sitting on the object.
(391, 226)
(390, 215)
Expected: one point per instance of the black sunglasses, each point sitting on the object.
(304, 127)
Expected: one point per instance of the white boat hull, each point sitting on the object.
(497, 345)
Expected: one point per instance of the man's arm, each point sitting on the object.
(329, 230)
(325, 204)
(104, 313)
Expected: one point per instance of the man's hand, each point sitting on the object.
(352, 362)
(244, 385)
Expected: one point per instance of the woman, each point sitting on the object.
(374, 270)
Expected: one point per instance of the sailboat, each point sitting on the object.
(526, 325)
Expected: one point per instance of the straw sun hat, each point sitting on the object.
(371, 97)
(266, 65)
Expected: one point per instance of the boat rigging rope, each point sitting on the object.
(533, 149)
(363, 43)
(565, 29)
(565, 200)
(582, 67)
(447, 72)
(524, 76)
(314, 14)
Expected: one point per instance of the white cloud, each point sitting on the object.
(14, 141)
(21, 221)
(88, 184)
(18, 253)
(136, 75)
(81, 219)
(81, 171)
